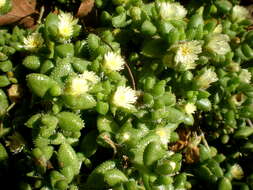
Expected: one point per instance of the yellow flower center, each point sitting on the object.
(126, 136)
(122, 98)
(66, 31)
(161, 133)
(113, 63)
(185, 51)
(34, 43)
(78, 86)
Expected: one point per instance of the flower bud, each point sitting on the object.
(207, 77)
(218, 44)
(239, 13)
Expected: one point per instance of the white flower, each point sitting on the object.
(126, 136)
(245, 76)
(124, 97)
(239, 13)
(164, 134)
(2, 3)
(171, 11)
(90, 76)
(65, 25)
(33, 42)
(206, 78)
(219, 44)
(113, 61)
(190, 108)
(82, 83)
(187, 54)
(78, 86)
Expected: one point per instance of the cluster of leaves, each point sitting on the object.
(155, 95)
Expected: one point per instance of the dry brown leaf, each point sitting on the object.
(191, 155)
(85, 8)
(184, 135)
(186, 143)
(21, 12)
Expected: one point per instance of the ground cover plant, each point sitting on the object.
(126, 95)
